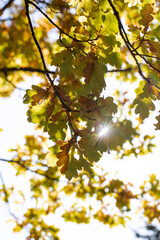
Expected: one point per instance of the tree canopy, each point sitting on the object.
(97, 64)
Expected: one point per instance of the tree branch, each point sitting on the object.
(46, 71)
(6, 198)
(7, 19)
(7, 5)
(149, 56)
(121, 70)
(6, 70)
(142, 40)
(60, 29)
(25, 69)
(13, 85)
(4, 188)
(22, 164)
(131, 49)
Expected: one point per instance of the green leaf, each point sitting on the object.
(85, 5)
(86, 165)
(96, 83)
(110, 24)
(114, 59)
(157, 33)
(58, 58)
(157, 125)
(154, 78)
(143, 107)
(107, 107)
(73, 166)
(110, 41)
(103, 4)
(29, 93)
(37, 113)
(66, 66)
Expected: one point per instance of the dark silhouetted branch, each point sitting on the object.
(25, 69)
(6, 5)
(121, 70)
(7, 19)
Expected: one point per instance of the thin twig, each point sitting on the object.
(121, 70)
(142, 40)
(7, 19)
(6, 198)
(22, 164)
(25, 69)
(4, 188)
(149, 56)
(13, 85)
(6, 70)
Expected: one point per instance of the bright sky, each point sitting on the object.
(15, 126)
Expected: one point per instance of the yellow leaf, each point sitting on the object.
(51, 160)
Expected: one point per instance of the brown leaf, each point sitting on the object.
(154, 47)
(63, 95)
(49, 110)
(87, 104)
(91, 62)
(63, 157)
(56, 116)
(146, 15)
(41, 94)
(88, 72)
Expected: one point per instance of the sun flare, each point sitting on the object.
(104, 131)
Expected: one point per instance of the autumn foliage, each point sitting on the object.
(98, 66)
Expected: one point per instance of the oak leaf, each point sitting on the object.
(63, 157)
(147, 16)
